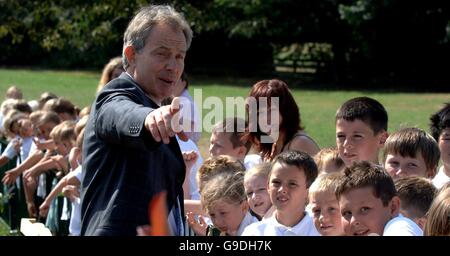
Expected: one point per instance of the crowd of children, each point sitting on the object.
(287, 186)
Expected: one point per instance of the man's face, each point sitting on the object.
(356, 141)
(363, 213)
(159, 65)
(444, 147)
(401, 166)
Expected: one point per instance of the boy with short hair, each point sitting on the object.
(411, 152)
(369, 203)
(440, 129)
(227, 138)
(291, 175)
(416, 195)
(324, 204)
(361, 130)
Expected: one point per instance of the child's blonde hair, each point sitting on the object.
(438, 219)
(216, 165)
(108, 71)
(49, 117)
(13, 93)
(225, 186)
(325, 182)
(60, 106)
(328, 155)
(408, 142)
(64, 131)
(260, 170)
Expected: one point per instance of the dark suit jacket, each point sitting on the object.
(123, 166)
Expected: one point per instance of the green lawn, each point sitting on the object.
(317, 107)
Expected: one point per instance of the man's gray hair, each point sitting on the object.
(140, 26)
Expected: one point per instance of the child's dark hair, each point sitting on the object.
(416, 195)
(235, 127)
(302, 161)
(409, 141)
(366, 109)
(365, 174)
(440, 121)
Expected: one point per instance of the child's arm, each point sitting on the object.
(193, 206)
(48, 144)
(3, 160)
(56, 162)
(190, 157)
(10, 152)
(11, 175)
(69, 179)
(29, 186)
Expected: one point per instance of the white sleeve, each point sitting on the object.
(251, 230)
(401, 226)
(10, 152)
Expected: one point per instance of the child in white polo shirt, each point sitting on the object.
(291, 175)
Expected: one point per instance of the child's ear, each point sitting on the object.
(244, 206)
(383, 137)
(421, 222)
(395, 206)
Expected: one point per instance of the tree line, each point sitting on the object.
(366, 40)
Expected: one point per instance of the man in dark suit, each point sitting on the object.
(129, 150)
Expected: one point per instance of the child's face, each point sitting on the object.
(63, 147)
(356, 141)
(220, 144)
(257, 195)
(444, 147)
(287, 189)
(363, 213)
(398, 166)
(327, 217)
(26, 128)
(227, 217)
(45, 130)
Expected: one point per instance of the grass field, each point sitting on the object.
(317, 107)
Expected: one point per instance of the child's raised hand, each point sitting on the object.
(190, 157)
(199, 226)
